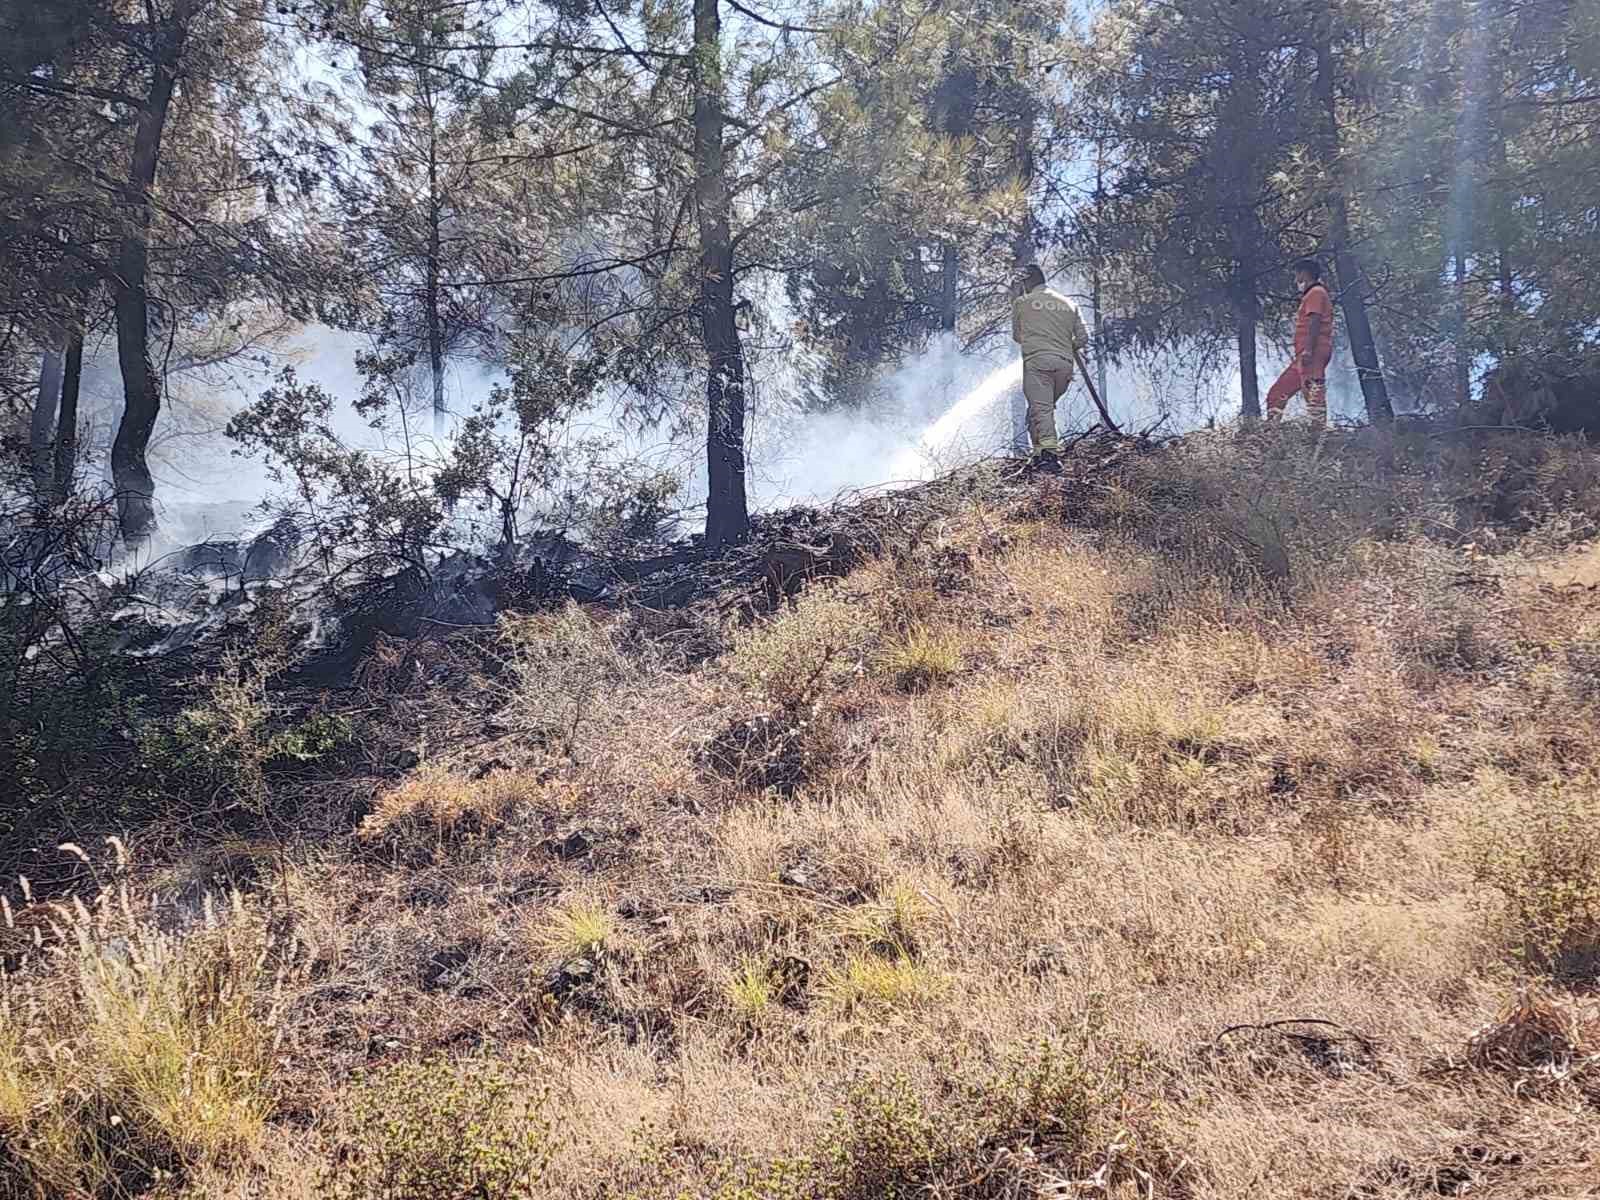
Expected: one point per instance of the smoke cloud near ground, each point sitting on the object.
(814, 456)
(921, 420)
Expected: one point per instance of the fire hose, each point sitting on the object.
(1083, 368)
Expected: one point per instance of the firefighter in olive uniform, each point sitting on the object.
(1048, 328)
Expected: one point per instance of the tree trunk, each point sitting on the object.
(431, 294)
(141, 387)
(1022, 244)
(727, 508)
(1351, 281)
(1504, 216)
(1247, 170)
(948, 304)
(435, 343)
(955, 105)
(1249, 384)
(1458, 318)
(66, 448)
(42, 427)
(1099, 319)
(1023, 253)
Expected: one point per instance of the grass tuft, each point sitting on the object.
(871, 982)
(436, 808)
(139, 1054)
(578, 930)
(750, 992)
(920, 659)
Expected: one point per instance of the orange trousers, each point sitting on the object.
(1313, 383)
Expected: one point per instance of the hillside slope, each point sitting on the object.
(1221, 822)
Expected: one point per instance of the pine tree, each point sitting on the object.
(1196, 221)
(428, 203)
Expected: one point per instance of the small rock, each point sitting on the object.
(446, 968)
(1043, 960)
(576, 844)
(795, 877)
(427, 894)
(488, 767)
(570, 977)
(791, 977)
(532, 887)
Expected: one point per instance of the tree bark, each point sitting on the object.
(1022, 244)
(435, 339)
(1351, 281)
(141, 386)
(1246, 170)
(1099, 318)
(949, 307)
(1249, 383)
(1458, 319)
(1023, 255)
(66, 447)
(955, 104)
(727, 508)
(42, 427)
(1504, 216)
(431, 286)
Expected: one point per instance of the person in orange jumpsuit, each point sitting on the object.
(1313, 348)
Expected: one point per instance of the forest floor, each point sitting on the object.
(1224, 825)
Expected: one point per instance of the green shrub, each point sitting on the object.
(790, 660)
(884, 1144)
(887, 1141)
(65, 690)
(224, 745)
(437, 1130)
(1040, 1124)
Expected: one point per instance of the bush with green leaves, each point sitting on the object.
(63, 688)
(1038, 1124)
(437, 1130)
(887, 1141)
(825, 639)
(222, 748)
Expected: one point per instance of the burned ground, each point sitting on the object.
(1210, 819)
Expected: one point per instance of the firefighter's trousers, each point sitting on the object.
(1312, 382)
(1044, 378)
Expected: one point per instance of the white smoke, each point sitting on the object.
(936, 411)
(818, 455)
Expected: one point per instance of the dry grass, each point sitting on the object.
(436, 807)
(561, 669)
(823, 641)
(129, 1054)
(791, 925)
(1540, 848)
(920, 659)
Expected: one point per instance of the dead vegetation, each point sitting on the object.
(1204, 823)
